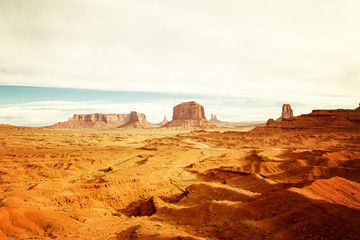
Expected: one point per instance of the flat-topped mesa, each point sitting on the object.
(189, 115)
(100, 117)
(320, 119)
(136, 120)
(94, 120)
(99, 120)
(189, 110)
(286, 112)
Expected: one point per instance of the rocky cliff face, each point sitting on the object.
(287, 112)
(109, 119)
(320, 119)
(189, 115)
(100, 120)
(188, 111)
(136, 120)
(214, 119)
(134, 116)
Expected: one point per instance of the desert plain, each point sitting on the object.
(169, 183)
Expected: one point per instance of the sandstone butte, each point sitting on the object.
(136, 120)
(185, 115)
(319, 119)
(189, 115)
(100, 120)
(286, 112)
(214, 119)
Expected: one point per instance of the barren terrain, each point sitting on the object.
(177, 184)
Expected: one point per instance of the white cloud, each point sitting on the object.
(275, 51)
(44, 113)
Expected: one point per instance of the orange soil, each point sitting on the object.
(167, 184)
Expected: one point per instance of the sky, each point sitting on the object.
(241, 59)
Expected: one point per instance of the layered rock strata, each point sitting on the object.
(320, 119)
(136, 120)
(98, 120)
(189, 115)
(286, 112)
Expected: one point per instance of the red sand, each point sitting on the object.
(269, 183)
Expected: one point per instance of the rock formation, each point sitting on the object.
(189, 115)
(287, 112)
(98, 120)
(188, 111)
(136, 120)
(165, 121)
(214, 119)
(320, 119)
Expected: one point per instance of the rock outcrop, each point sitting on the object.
(287, 112)
(136, 120)
(189, 115)
(320, 119)
(214, 119)
(188, 111)
(165, 121)
(98, 120)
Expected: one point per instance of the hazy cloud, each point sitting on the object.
(273, 51)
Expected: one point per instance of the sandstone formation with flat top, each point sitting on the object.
(189, 111)
(320, 119)
(98, 120)
(189, 115)
(136, 120)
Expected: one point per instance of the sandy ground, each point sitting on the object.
(177, 184)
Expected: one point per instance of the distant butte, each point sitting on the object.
(320, 119)
(165, 121)
(100, 120)
(286, 112)
(136, 120)
(189, 115)
(214, 119)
